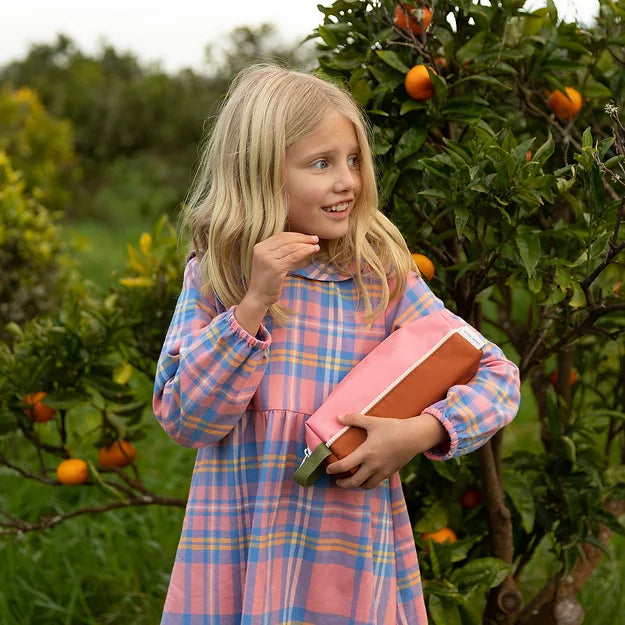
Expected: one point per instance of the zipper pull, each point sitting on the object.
(306, 455)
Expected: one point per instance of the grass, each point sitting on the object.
(101, 248)
(110, 568)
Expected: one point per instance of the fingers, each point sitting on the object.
(358, 420)
(364, 478)
(286, 249)
(283, 239)
(373, 466)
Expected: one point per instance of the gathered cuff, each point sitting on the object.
(445, 451)
(262, 340)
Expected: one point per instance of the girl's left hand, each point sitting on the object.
(391, 444)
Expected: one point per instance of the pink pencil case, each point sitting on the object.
(410, 370)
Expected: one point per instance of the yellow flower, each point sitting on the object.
(122, 374)
(145, 242)
(140, 282)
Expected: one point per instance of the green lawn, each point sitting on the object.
(101, 248)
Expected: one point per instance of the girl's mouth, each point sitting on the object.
(336, 208)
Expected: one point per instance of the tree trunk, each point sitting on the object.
(505, 601)
(556, 603)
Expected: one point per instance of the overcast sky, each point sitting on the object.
(172, 33)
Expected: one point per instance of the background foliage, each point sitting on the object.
(520, 211)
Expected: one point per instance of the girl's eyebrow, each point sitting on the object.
(318, 153)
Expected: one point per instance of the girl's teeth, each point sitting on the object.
(337, 208)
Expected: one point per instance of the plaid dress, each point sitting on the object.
(256, 548)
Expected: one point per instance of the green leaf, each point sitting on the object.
(8, 422)
(328, 37)
(535, 284)
(603, 146)
(437, 193)
(105, 386)
(410, 142)
(435, 517)
(607, 414)
(488, 80)
(517, 488)
(389, 181)
(569, 449)
(362, 92)
(528, 244)
(411, 105)
(392, 59)
(587, 138)
(471, 49)
(596, 90)
(579, 298)
(386, 77)
(545, 150)
(483, 573)
(443, 611)
(64, 400)
(461, 217)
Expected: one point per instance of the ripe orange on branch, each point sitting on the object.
(471, 498)
(72, 471)
(565, 106)
(38, 411)
(418, 83)
(412, 18)
(119, 454)
(554, 378)
(444, 535)
(425, 265)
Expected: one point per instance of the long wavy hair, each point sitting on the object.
(238, 196)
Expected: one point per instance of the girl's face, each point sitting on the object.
(323, 179)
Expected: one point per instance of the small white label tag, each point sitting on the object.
(472, 336)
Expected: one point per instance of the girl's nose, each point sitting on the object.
(346, 179)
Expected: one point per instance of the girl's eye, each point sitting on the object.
(320, 164)
(354, 161)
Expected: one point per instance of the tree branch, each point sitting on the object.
(17, 526)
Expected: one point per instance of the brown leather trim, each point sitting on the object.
(455, 362)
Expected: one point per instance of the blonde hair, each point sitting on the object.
(238, 197)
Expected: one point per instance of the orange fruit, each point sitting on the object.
(425, 265)
(471, 498)
(412, 18)
(528, 156)
(616, 288)
(37, 411)
(554, 378)
(72, 471)
(419, 84)
(440, 62)
(443, 535)
(119, 454)
(565, 107)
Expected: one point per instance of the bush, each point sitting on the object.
(32, 254)
(39, 146)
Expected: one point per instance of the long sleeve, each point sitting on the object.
(471, 413)
(208, 370)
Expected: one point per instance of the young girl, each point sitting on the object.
(295, 277)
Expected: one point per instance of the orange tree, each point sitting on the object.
(515, 194)
(75, 386)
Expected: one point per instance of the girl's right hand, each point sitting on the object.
(272, 259)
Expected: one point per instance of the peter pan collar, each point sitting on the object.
(320, 272)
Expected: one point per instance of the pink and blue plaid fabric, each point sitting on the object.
(256, 548)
